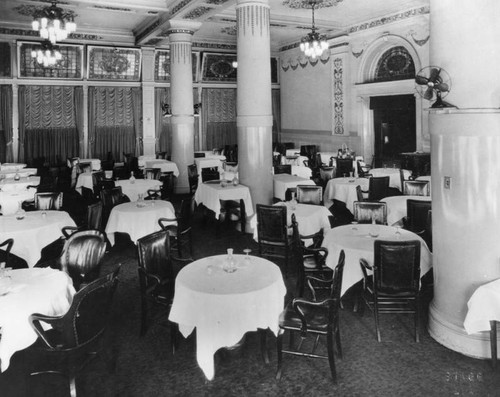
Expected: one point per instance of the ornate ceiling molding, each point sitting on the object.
(389, 19)
(297, 4)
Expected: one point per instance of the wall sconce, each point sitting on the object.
(234, 64)
(165, 108)
(197, 109)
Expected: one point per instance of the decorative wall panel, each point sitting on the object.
(112, 63)
(162, 65)
(70, 66)
(219, 67)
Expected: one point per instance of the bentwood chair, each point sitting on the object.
(378, 188)
(48, 201)
(156, 277)
(110, 198)
(417, 218)
(363, 169)
(283, 169)
(274, 241)
(370, 211)
(343, 167)
(314, 318)
(76, 337)
(209, 174)
(394, 286)
(416, 188)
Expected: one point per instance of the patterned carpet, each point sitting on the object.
(131, 365)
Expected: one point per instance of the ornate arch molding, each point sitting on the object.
(368, 66)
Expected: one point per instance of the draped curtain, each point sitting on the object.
(6, 132)
(49, 122)
(219, 117)
(115, 122)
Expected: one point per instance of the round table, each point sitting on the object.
(224, 306)
(139, 186)
(10, 184)
(344, 189)
(38, 290)
(138, 219)
(33, 232)
(396, 207)
(357, 243)
(10, 200)
(163, 165)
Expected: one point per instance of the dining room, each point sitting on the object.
(162, 142)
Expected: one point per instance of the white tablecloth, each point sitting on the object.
(210, 155)
(310, 219)
(484, 306)
(357, 243)
(84, 180)
(393, 174)
(396, 207)
(12, 166)
(163, 165)
(325, 157)
(282, 182)
(39, 290)
(210, 194)
(11, 185)
(343, 189)
(21, 172)
(207, 162)
(292, 152)
(33, 232)
(9, 201)
(303, 172)
(95, 163)
(138, 219)
(140, 186)
(224, 306)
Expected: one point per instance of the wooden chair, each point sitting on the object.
(363, 169)
(310, 194)
(180, 234)
(48, 201)
(378, 188)
(75, 337)
(416, 188)
(394, 286)
(209, 174)
(273, 238)
(343, 167)
(417, 218)
(314, 318)
(283, 169)
(152, 173)
(369, 211)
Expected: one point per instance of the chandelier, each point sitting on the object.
(314, 43)
(47, 55)
(53, 23)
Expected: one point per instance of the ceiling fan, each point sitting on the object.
(433, 83)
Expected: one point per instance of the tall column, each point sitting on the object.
(148, 102)
(181, 93)
(465, 146)
(254, 107)
(84, 145)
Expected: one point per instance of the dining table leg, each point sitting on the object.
(493, 343)
(263, 345)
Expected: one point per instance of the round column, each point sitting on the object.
(464, 147)
(181, 93)
(254, 107)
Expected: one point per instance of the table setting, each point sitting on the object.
(223, 297)
(357, 242)
(344, 189)
(138, 218)
(32, 231)
(26, 291)
(211, 193)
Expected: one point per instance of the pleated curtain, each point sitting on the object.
(6, 132)
(219, 117)
(115, 121)
(50, 123)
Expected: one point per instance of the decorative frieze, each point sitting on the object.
(338, 97)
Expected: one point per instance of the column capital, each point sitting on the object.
(241, 3)
(185, 27)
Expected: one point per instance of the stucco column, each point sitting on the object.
(465, 146)
(148, 102)
(254, 107)
(181, 93)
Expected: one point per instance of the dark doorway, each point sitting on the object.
(394, 127)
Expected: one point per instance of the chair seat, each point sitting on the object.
(316, 318)
(388, 295)
(311, 264)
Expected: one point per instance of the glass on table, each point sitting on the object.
(247, 253)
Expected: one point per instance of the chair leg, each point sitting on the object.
(417, 321)
(337, 342)
(375, 314)
(173, 337)
(331, 356)
(279, 346)
(263, 345)
(72, 383)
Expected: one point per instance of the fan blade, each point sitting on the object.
(443, 87)
(428, 93)
(421, 80)
(434, 75)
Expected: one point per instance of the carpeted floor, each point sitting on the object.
(131, 365)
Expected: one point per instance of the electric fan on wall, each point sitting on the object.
(433, 83)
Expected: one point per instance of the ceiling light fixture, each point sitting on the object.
(314, 43)
(54, 23)
(47, 54)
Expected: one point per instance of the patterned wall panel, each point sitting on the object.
(70, 66)
(219, 67)
(162, 65)
(112, 63)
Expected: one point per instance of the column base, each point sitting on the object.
(455, 338)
